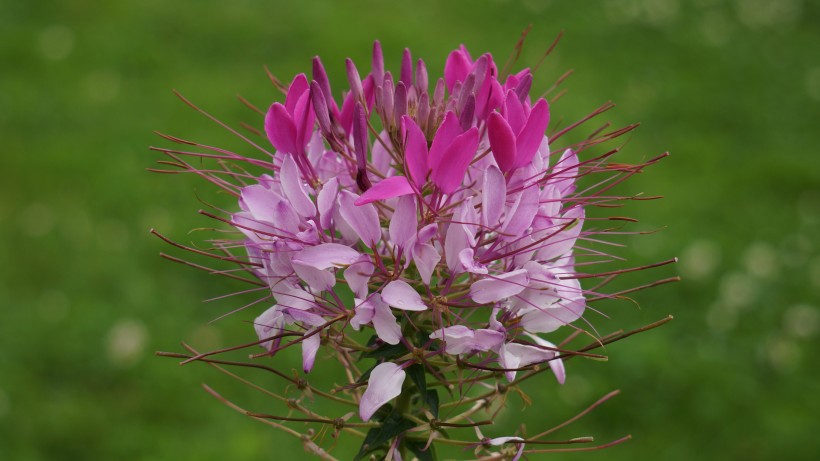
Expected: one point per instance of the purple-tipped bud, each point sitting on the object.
(465, 92)
(317, 97)
(423, 111)
(467, 114)
(387, 99)
(355, 81)
(400, 101)
(360, 145)
(438, 94)
(480, 71)
(407, 68)
(320, 76)
(377, 69)
(522, 90)
(421, 77)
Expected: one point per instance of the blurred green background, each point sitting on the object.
(730, 88)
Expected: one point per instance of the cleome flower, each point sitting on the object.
(433, 214)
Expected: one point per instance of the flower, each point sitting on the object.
(438, 219)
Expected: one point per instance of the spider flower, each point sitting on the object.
(433, 214)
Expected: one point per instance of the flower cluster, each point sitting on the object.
(433, 215)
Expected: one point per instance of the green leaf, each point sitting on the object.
(385, 351)
(431, 399)
(417, 447)
(417, 374)
(392, 426)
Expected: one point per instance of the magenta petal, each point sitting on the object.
(364, 219)
(449, 173)
(404, 221)
(383, 386)
(532, 134)
(456, 68)
(401, 295)
(515, 113)
(297, 87)
(494, 196)
(394, 186)
(502, 141)
(492, 289)
(447, 132)
(281, 129)
(303, 118)
(415, 151)
(294, 189)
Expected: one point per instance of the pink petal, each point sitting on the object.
(521, 214)
(281, 129)
(327, 255)
(492, 289)
(294, 189)
(317, 279)
(515, 113)
(259, 201)
(456, 240)
(449, 173)
(384, 322)
(467, 259)
(364, 219)
(426, 257)
(415, 151)
(556, 364)
(456, 68)
(532, 134)
(404, 222)
(447, 132)
(401, 295)
(562, 242)
(383, 386)
(270, 323)
(303, 118)
(357, 275)
(364, 312)
(310, 346)
(494, 195)
(326, 202)
(502, 141)
(394, 186)
(513, 355)
(297, 88)
(567, 171)
(545, 320)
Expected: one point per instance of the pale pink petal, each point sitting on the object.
(384, 322)
(310, 345)
(445, 135)
(383, 386)
(317, 279)
(327, 255)
(259, 201)
(281, 129)
(363, 314)
(492, 289)
(401, 295)
(502, 141)
(494, 194)
(513, 355)
(415, 151)
(294, 189)
(561, 243)
(357, 275)
(545, 320)
(404, 222)
(488, 340)
(458, 339)
(394, 186)
(456, 240)
(566, 172)
(449, 173)
(326, 202)
(426, 257)
(530, 137)
(364, 219)
(269, 324)
(556, 364)
(467, 259)
(521, 214)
